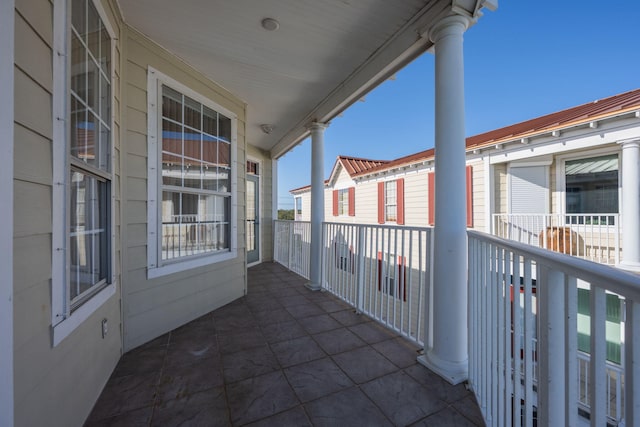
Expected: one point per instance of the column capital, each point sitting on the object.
(316, 126)
(454, 24)
(629, 142)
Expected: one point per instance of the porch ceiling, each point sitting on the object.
(325, 55)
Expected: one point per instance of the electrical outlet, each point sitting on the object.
(105, 328)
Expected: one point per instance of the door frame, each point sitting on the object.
(259, 213)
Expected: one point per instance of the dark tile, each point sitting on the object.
(316, 324)
(161, 341)
(259, 397)
(364, 364)
(235, 322)
(331, 306)
(187, 352)
(141, 360)
(293, 301)
(285, 292)
(304, 310)
(273, 316)
(349, 317)
(124, 394)
(400, 351)
(183, 380)
(372, 332)
(259, 305)
(192, 334)
(442, 388)
(316, 379)
(248, 363)
(297, 351)
(136, 418)
(292, 417)
(232, 342)
(402, 399)
(470, 409)
(338, 341)
(283, 331)
(448, 417)
(231, 311)
(206, 408)
(346, 408)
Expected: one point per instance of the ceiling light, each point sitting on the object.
(266, 128)
(270, 24)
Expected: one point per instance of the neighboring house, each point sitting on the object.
(560, 173)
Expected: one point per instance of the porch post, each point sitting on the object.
(630, 205)
(317, 203)
(449, 357)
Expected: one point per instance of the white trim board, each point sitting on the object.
(7, 34)
(260, 176)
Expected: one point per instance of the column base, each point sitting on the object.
(632, 267)
(313, 286)
(453, 373)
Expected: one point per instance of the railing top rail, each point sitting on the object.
(604, 276)
(380, 226)
(555, 214)
(291, 221)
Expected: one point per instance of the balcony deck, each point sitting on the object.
(282, 355)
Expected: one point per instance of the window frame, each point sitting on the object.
(156, 267)
(343, 201)
(561, 182)
(63, 320)
(394, 185)
(297, 211)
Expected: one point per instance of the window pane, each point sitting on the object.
(93, 30)
(93, 86)
(192, 159)
(592, 185)
(105, 100)
(78, 68)
(192, 113)
(171, 153)
(77, 129)
(105, 52)
(79, 17)
(209, 161)
(224, 180)
(171, 104)
(210, 121)
(224, 131)
(104, 160)
(88, 233)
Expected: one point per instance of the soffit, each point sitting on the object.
(325, 55)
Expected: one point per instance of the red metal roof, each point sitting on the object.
(585, 113)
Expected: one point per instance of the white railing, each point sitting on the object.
(292, 245)
(614, 384)
(595, 237)
(502, 336)
(381, 270)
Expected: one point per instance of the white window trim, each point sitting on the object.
(395, 181)
(259, 214)
(155, 79)
(295, 208)
(62, 320)
(7, 16)
(561, 182)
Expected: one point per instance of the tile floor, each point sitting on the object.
(280, 356)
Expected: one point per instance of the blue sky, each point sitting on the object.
(525, 60)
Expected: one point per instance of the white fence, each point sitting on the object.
(595, 237)
(383, 271)
(292, 245)
(505, 345)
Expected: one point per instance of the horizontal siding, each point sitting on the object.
(153, 307)
(55, 386)
(478, 195)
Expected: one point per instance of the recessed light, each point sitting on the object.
(270, 24)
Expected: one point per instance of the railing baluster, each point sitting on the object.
(597, 391)
(632, 364)
(571, 351)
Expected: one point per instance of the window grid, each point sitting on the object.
(343, 202)
(390, 201)
(195, 201)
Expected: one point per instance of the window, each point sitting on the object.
(344, 202)
(391, 201)
(392, 274)
(193, 180)
(592, 188)
(298, 208)
(82, 214)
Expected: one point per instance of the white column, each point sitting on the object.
(317, 203)
(630, 205)
(449, 357)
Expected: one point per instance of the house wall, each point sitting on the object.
(54, 386)
(152, 307)
(266, 200)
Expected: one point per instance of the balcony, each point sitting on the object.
(562, 328)
(281, 355)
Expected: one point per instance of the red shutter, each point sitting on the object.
(352, 201)
(431, 184)
(381, 203)
(335, 202)
(469, 196)
(400, 201)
